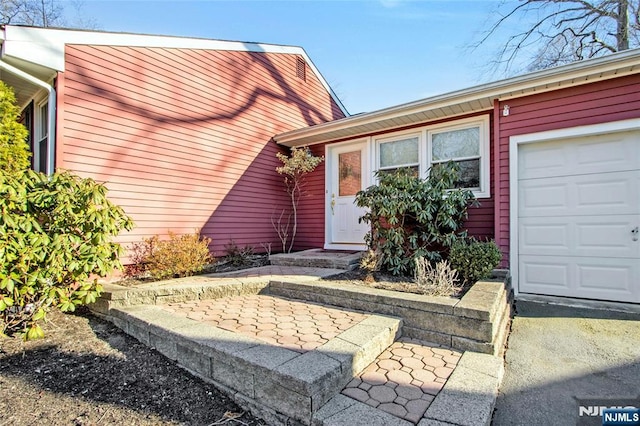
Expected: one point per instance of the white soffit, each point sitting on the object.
(474, 99)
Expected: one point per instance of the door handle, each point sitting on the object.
(634, 234)
(333, 203)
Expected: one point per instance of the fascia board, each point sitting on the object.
(28, 42)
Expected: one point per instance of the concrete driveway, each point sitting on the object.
(560, 358)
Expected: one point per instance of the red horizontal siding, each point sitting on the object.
(595, 103)
(182, 137)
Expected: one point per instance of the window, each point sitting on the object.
(402, 151)
(350, 176)
(41, 137)
(464, 141)
(463, 147)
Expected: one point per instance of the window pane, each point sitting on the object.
(456, 144)
(44, 120)
(399, 152)
(42, 148)
(414, 169)
(350, 173)
(469, 173)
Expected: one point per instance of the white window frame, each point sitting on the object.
(483, 124)
(424, 135)
(395, 137)
(38, 134)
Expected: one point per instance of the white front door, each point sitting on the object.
(347, 173)
(578, 216)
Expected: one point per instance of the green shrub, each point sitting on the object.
(474, 260)
(14, 150)
(55, 236)
(179, 256)
(413, 217)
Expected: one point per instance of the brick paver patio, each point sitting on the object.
(402, 381)
(294, 325)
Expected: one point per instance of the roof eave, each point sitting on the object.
(470, 100)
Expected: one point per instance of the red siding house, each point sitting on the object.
(180, 129)
(552, 156)
(184, 132)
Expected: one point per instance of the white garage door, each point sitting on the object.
(578, 216)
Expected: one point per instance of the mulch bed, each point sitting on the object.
(380, 280)
(88, 372)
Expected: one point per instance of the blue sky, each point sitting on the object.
(374, 54)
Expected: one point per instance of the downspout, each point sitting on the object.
(51, 107)
(497, 192)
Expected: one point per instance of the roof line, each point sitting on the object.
(45, 46)
(500, 89)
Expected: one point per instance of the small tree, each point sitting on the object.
(295, 168)
(14, 150)
(412, 217)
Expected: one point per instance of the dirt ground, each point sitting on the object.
(87, 372)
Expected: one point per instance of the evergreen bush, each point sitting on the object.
(413, 217)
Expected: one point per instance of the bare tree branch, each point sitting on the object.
(561, 31)
(43, 13)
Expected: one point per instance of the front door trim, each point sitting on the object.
(329, 169)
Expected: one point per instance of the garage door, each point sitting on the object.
(578, 217)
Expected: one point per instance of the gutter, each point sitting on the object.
(51, 107)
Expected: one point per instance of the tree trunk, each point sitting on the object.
(623, 25)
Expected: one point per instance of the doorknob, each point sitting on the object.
(634, 234)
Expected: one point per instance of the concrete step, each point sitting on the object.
(282, 385)
(318, 258)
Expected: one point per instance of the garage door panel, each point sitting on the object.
(596, 275)
(612, 191)
(608, 238)
(543, 198)
(586, 277)
(602, 236)
(543, 275)
(541, 159)
(599, 194)
(575, 156)
(538, 237)
(601, 154)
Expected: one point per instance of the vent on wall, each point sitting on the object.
(301, 69)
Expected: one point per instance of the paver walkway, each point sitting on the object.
(405, 378)
(294, 325)
(402, 381)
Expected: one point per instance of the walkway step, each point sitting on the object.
(318, 258)
(467, 399)
(275, 382)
